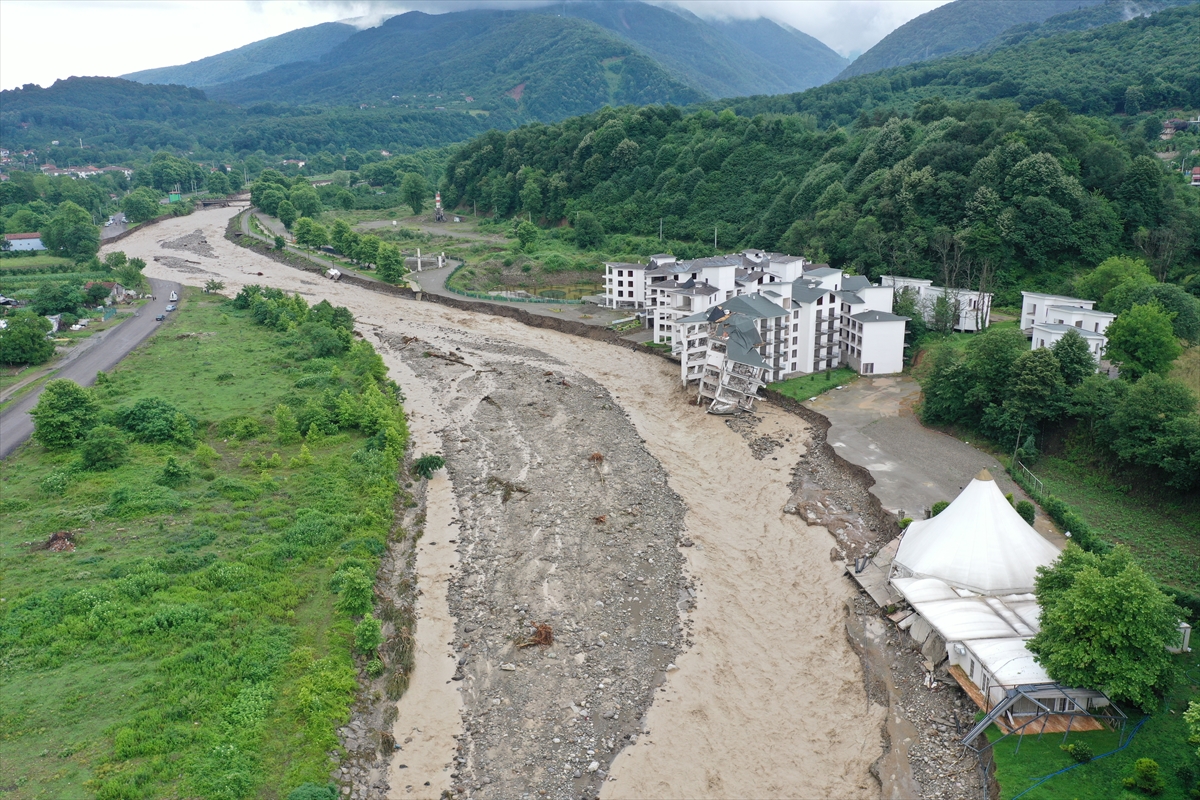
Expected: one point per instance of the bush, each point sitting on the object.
(313, 791)
(374, 667)
(1078, 751)
(64, 414)
(1145, 777)
(173, 474)
(206, 456)
(368, 635)
(357, 593)
(428, 464)
(1027, 511)
(104, 447)
(154, 420)
(904, 523)
(938, 507)
(55, 483)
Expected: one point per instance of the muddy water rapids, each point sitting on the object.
(768, 698)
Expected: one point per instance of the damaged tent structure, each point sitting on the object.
(968, 574)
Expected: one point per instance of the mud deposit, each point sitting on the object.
(564, 519)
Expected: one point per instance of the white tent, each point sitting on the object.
(979, 543)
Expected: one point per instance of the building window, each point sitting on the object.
(620, 294)
(820, 300)
(972, 672)
(868, 369)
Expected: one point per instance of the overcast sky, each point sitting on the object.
(45, 40)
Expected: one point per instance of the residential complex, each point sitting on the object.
(1046, 318)
(970, 309)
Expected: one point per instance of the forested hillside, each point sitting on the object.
(1152, 59)
(1028, 197)
(305, 44)
(123, 121)
(963, 25)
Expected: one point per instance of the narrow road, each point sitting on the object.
(103, 352)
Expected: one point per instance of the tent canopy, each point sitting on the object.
(979, 543)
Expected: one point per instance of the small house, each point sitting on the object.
(24, 241)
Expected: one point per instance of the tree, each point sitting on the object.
(71, 233)
(212, 285)
(280, 242)
(287, 213)
(63, 415)
(130, 275)
(95, 294)
(1142, 340)
(271, 199)
(56, 298)
(589, 233)
(104, 447)
(1105, 625)
(428, 464)
(356, 592)
(527, 235)
(1139, 423)
(1174, 299)
(306, 201)
(367, 250)
(1075, 360)
(1192, 718)
(287, 431)
(1111, 272)
(310, 234)
(391, 263)
(337, 234)
(115, 260)
(217, 183)
(24, 340)
(414, 189)
(1037, 391)
(945, 314)
(141, 204)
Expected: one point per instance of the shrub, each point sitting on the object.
(302, 459)
(286, 429)
(1145, 777)
(104, 447)
(153, 420)
(904, 523)
(173, 474)
(938, 507)
(1027, 511)
(368, 635)
(55, 483)
(374, 667)
(313, 791)
(428, 464)
(63, 415)
(1078, 751)
(357, 593)
(206, 456)
(128, 502)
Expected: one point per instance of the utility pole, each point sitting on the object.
(660, 229)
(714, 237)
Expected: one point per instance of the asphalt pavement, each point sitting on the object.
(120, 225)
(97, 353)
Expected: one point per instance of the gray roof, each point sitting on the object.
(781, 258)
(877, 316)
(662, 255)
(851, 298)
(699, 316)
(1081, 308)
(715, 261)
(1049, 326)
(807, 292)
(822, 271)
(852, 283)
(756, 275)
(624, 264)
(741, 337)
(697, 289)
(754, 306)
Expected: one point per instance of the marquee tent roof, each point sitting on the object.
(978, 543)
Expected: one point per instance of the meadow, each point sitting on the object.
(191, 633)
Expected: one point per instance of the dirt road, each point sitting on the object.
(765, 699)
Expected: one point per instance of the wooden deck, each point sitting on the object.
(1055, 723)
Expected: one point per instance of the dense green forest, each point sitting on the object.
(122, 121)
(982, 186)
(538, 66)
(1149, 59)
(305, 44)
(963, 25)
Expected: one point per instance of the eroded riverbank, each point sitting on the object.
(768, 697)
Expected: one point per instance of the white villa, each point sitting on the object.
(968, 574)
(1048, 317)
(974, 308)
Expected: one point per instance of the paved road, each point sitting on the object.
(120, 225)
(872, 424)
(102, 352)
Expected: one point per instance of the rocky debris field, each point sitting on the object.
(182, 265)
(194, 242)
(569, 534)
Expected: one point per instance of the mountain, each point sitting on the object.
(1090, 72)
(720, 58)
(539, 66)
(963, 25)
(305, 44)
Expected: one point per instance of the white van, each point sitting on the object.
(173, 297)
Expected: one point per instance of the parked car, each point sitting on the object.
(160, 317)
(171, 307)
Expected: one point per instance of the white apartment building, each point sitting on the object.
(732, 349)
(1057, 309)
(625, 285)
(974, 308)
(1045, 334)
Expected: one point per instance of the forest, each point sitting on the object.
(959, 191)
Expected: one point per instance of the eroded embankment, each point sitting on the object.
(768, 700)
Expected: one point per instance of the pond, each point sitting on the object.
(574, 291)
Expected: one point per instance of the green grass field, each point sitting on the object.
(1163, 737)
(807, 386)
(28, 262)
(1164, 534)
(188, 646)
